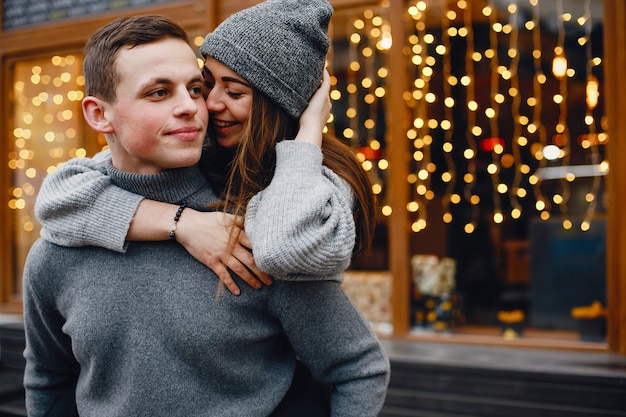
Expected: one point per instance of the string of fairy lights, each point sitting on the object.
(359, 95)
(514, 130)
(489, 103)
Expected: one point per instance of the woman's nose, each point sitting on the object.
(213, 101)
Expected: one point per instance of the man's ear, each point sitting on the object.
(96, 114)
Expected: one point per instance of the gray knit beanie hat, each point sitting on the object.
(278, 46)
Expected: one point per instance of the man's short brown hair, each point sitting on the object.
(101, 75)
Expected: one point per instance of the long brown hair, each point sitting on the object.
(240, 176)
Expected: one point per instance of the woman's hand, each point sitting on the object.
(315, 116)
(207, 237)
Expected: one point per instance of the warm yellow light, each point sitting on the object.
(557, 98)
(540, 205)
(386, 41)
(559, 66)
(418, 225)
(592, 92)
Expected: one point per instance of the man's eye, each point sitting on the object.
(158, 93)
(196, 91)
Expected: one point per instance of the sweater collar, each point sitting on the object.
(172, 186)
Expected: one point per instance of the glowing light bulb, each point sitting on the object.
(551, 152)
(559, 66)
(592, 92)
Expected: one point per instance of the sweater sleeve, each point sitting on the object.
(78, 205)
(335, 342)
(301, 227)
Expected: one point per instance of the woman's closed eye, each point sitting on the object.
(233, 94)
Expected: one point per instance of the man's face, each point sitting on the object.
(159, 118)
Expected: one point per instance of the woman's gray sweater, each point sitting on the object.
(147, 332)
(301, 226)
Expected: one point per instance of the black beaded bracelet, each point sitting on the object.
(175, 224)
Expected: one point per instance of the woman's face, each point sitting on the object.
(229, 100)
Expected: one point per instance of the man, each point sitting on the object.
(145, 332)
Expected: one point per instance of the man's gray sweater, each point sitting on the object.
(149, 333)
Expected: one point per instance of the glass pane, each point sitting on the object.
(48, 129)
(509, 140)
(359, 68)
(506, 146)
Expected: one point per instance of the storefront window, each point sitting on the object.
(492, 112)
(47, 129)
(505, 144)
